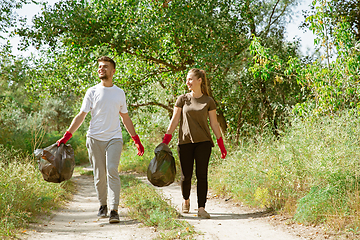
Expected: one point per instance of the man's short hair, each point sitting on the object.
(107, 59)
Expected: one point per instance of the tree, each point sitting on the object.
(8, 16)
(23, 109)
(349, 11)
(156, 42)
(332, 86)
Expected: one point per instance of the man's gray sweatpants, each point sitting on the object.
(104, 157)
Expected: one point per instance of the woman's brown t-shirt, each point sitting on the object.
(194, 126)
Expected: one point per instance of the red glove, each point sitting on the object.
(167, 138)
(138, 144)
(65, 138)
(220, 143)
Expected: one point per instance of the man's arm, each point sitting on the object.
(75, 124)
(131, 130)
(77, 121)
(128, 123)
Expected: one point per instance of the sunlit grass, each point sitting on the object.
(82, 171)
(311, 172)
(23, 192)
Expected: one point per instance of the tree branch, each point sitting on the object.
(168, 108)
(272, 14)
(159, 61)
(273, 11)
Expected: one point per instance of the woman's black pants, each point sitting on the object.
(200, 152)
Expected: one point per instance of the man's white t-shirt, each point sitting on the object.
(105, 104)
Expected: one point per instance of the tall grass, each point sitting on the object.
(23, 192)
(310, 173)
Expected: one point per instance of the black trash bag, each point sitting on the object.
(56, 163)
(161, 170)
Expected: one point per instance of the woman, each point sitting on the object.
(195, 143)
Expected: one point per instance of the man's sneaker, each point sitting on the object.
(102, 211)
(114, 217)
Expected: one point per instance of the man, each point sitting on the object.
(104, 141)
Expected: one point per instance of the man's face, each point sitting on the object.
(105, 70)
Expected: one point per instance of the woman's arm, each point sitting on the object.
(216, 129)
(214, 123)
(174, 120)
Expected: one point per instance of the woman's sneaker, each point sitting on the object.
(102, 211)
(203, 214)
(114, 217)
(185, 207)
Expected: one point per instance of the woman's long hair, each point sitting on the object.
(201, 74)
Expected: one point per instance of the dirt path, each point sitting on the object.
(78, 220)
(228, 221)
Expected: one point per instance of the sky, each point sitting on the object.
(307, 38)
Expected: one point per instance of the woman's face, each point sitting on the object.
(193, 82)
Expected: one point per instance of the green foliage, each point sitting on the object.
(334, 85)
(348, 10)
(28, 131)
(25, 115)
(263, 94)
(8, 16)
(311, 172)
(318, 204)
(327, 88)
(149, 207)
(20, 180)
(335, 11)
(155, 43)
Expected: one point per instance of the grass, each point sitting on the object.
(311, 173)
(80, 170)
(20, 179)
(147, 206)
(130, 161)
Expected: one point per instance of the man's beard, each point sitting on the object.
(104, 77)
